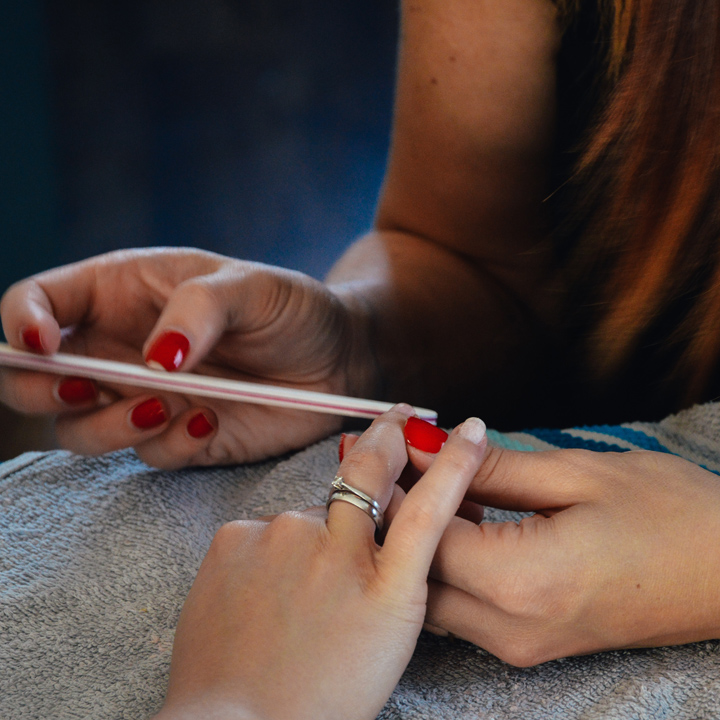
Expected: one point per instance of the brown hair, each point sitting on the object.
(651, 169)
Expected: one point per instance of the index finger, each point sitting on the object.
(139, 279)
(431, 504)
(34, 310)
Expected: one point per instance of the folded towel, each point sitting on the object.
(98, 554)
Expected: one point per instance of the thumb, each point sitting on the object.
(530, 481)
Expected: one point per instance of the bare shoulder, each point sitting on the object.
(474, 120)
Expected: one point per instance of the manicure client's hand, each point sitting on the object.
(306, 617)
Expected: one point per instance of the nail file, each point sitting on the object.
(202, 385)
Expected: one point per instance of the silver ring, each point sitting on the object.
(340, 490)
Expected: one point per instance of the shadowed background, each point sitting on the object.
(254, 128)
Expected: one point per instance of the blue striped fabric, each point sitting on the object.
(641, 440)
(598, 438)
(563, 439)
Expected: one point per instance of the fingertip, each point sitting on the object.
(194, 317)
(148, 415)
(473, 429)
(28, 318)
(106, 398)
(424, 436)
(187, 439)
(403, 409)
(38, 339)
(31, 338)
(76, 391)
(167, 351)
(201, 425)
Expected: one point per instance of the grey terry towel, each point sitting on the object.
(97, 555)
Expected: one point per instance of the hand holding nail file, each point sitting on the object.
(202, 385)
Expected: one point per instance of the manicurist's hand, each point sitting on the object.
(622, 551)
(305, 616)
(182, 310)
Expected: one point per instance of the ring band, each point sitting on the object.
(340, 490)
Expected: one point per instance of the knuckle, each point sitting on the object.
(292, 530)
(221, 450)
(459, 462)
(288, 519)
(364, 462)
(582, 470)
(379, 452)
(227, 537)
(200, 293)
(288, 524)
(580, 464)
(491, 467)
(417, 515)
(268, 292)
(514, 601)
(523, 651)
(527, 599)
(654, 463)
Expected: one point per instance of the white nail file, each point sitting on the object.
(202, 385)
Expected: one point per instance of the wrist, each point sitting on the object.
(359, 363)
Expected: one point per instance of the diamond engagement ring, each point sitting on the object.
(340, 490)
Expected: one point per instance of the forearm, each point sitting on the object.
(444, 331)
(451, 290)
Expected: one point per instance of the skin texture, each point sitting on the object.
(621, 551)
(302, 617)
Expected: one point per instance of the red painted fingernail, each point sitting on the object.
(424, 436)
(77, 391)
(148, 414)
(31, 338)
(199, 426)
(341, 447)
(168, 351)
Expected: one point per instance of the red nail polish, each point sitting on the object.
(199, 426)
(31, 338)
(148, 414)
(168, 351)
(341, 447)
(77, 391)
(424, 436)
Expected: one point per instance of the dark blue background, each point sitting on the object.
(255, 128)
